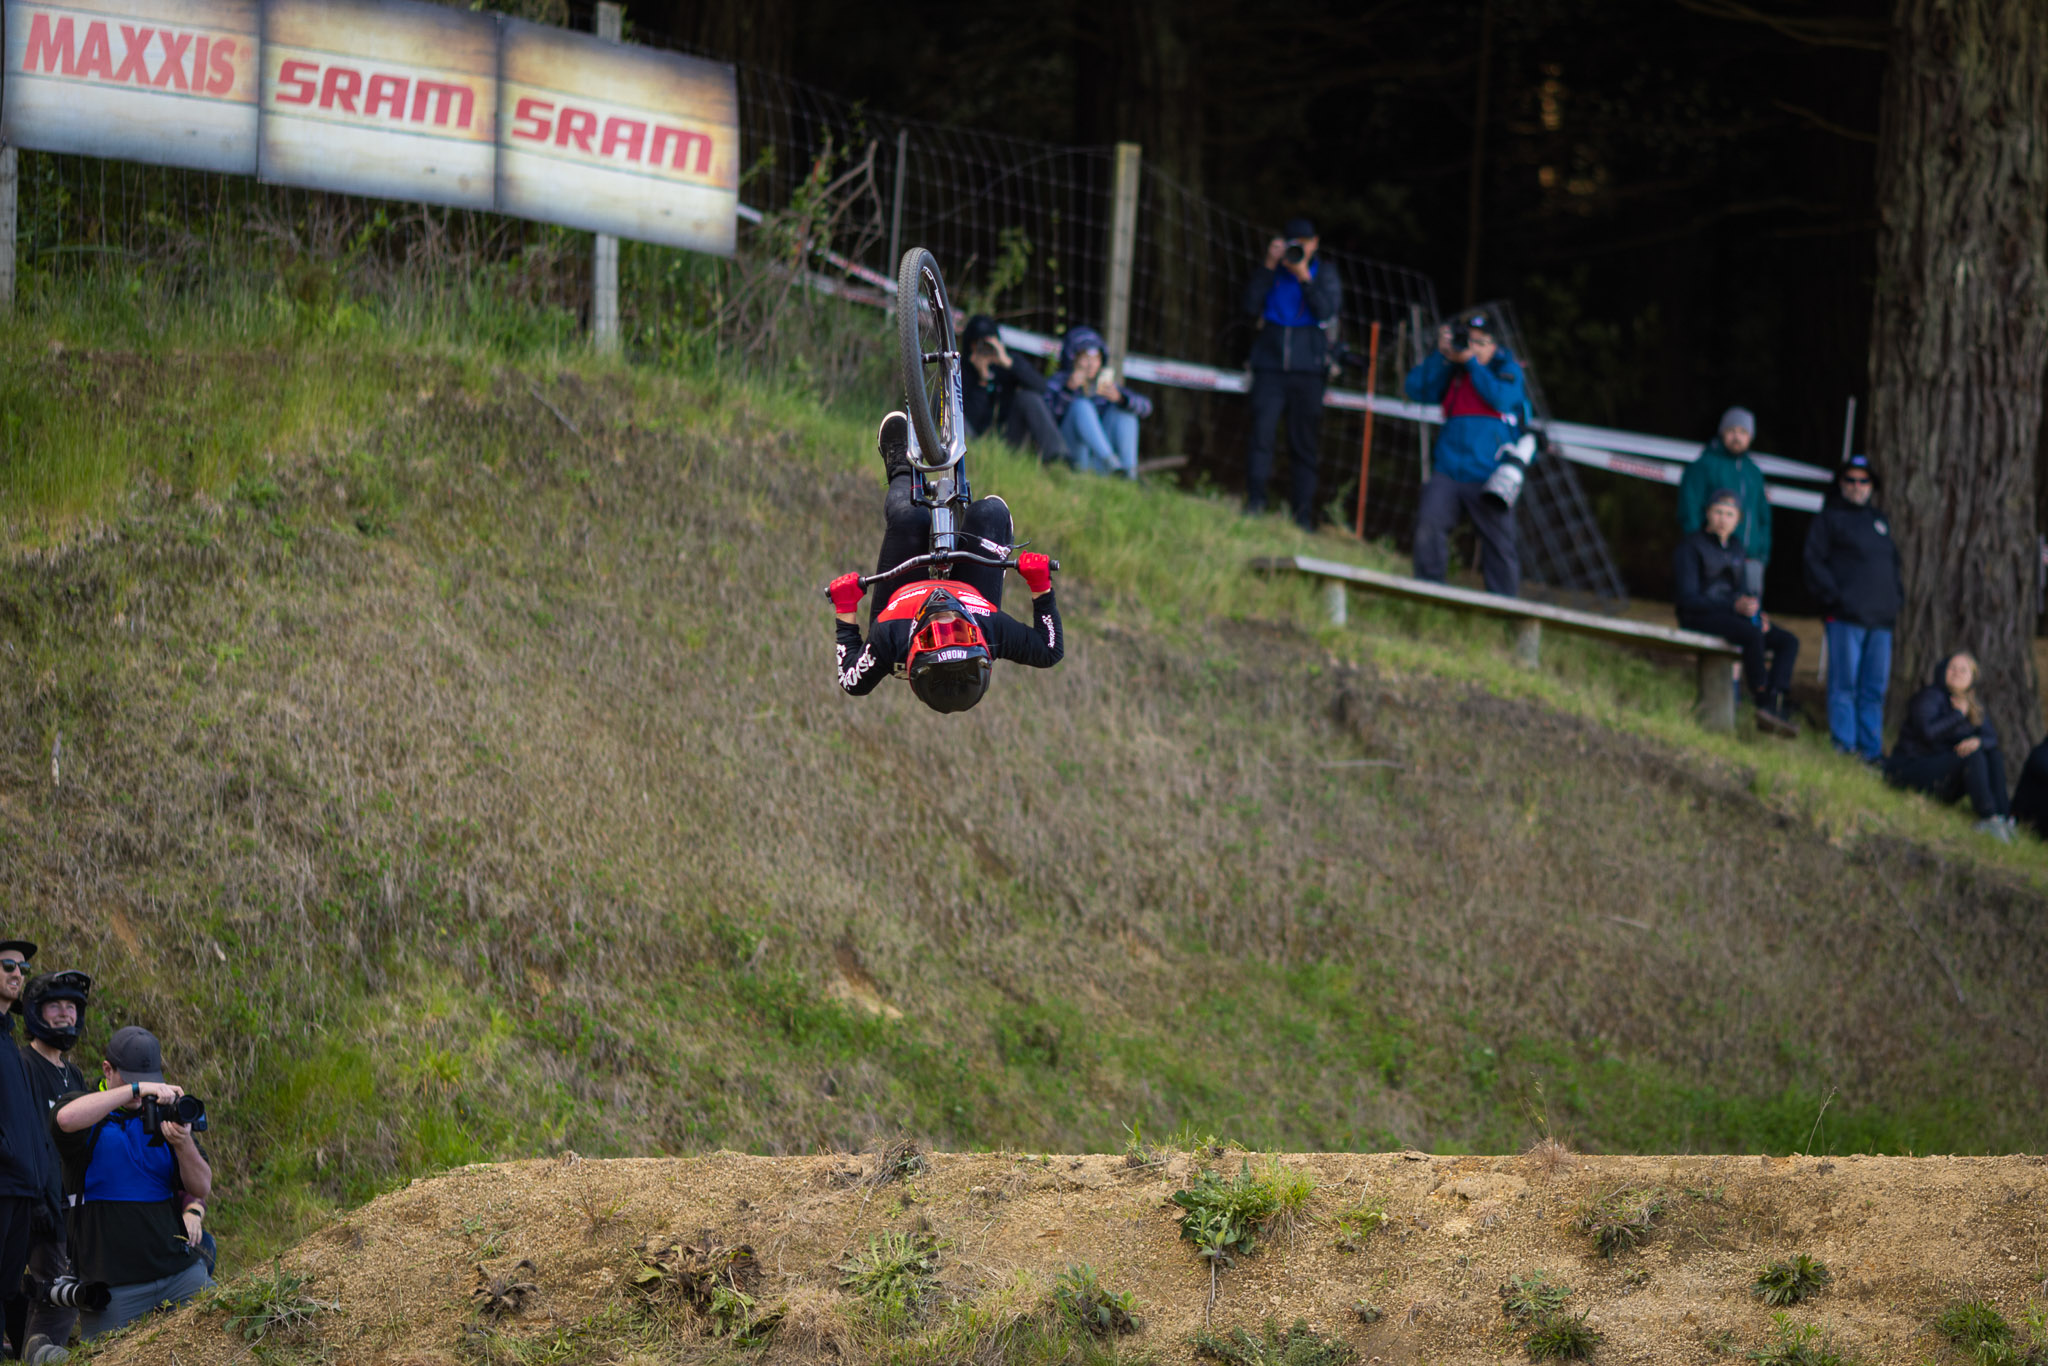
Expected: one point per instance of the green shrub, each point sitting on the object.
(1532, 1296)
(1357, 1223)
(1560, 1336)
(1969, 1323)
(1297, 1346)
(1797, 1346)
(1622, 1220)
(1080, 1298)
(1224, 1219)
(1788, 1282)
(274, 1306)
(893, 1277)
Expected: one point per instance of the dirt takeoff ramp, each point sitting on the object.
(572, 1260)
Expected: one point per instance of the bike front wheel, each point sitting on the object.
(930, 360)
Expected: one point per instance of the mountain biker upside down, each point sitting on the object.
(940, 634)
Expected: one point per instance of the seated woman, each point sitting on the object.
(1948, 747)
(1713, 599)
(1097, 416)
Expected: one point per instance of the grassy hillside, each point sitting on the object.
(438, 746)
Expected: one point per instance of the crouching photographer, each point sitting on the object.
(131, 1169)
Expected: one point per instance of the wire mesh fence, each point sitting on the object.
(1021, 227)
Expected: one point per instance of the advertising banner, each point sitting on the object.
(622, 140)
(380, 97)
(171, 82)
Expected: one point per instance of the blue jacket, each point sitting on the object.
(1290, 317)
(1468, 447)
(1059, 398)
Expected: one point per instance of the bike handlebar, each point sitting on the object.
(942, 557)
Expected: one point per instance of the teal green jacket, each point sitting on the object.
(1715, 470)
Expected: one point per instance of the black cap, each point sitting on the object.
(1298, 227)
(135, 1054)
(1478, 319)
(20, 946)
(980, 327)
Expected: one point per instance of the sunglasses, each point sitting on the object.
(12, 965)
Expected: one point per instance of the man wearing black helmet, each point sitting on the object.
(53, 1011)
(940, 635)
(24, 1152)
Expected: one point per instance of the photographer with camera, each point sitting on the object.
(1291, 297)
(1479, 385)
(53, 1012)
(130, 1160)
(1007, 396)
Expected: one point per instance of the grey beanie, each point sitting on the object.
(1737, 417)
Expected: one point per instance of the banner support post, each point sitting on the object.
(896, 195)
(1123, 249)
(10, 179)
(604, 291)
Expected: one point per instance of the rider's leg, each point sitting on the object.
(906, 534)
(1082, 427)
(990, 532)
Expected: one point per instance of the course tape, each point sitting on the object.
(1656, 458)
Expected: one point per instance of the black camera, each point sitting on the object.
(185, 1110)
(1294, 255)
(1461, 338)
(69, 1292)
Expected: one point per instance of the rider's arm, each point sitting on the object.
(863, 664)
(1041, 645)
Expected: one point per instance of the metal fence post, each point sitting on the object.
(604, 288)
(1123, 249)
(896, 208)
(10, 176)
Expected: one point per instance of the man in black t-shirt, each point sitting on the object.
(125, 1226)
(53, 1011)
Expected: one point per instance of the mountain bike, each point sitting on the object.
(928, 362)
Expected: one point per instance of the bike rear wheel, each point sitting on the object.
(929, 360)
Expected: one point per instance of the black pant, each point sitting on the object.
(15, 1215)
(1300, 394)
(1443, 501)
(1030, 424)
(2030, 802)
(1946, 775)
(28, 1318)
(907, 534)
(1755, 642)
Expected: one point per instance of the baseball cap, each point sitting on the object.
(1298, 227)
(20, 946)
(979, 327)
(135, 1054)
(1728, 496)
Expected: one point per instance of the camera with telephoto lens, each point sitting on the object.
(1294, 255)
(1504, 485)
(69, 1292)
(184, 1110)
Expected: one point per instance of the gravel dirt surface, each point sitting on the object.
(1902, 1237)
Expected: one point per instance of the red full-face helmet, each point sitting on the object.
(949, 660)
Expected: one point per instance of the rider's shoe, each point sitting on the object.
(892, 439)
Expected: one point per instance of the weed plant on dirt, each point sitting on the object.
(442, 754)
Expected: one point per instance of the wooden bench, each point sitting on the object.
(1715, 706)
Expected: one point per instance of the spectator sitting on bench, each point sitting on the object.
(1948, 746)
(1715, 597)
(1005, 395)
(1097, 416)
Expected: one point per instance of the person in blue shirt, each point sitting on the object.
(1480, 388)
(1289, 299)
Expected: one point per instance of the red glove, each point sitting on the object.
(845, 593)
(1037, 571)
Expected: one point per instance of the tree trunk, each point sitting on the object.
(1958, 338)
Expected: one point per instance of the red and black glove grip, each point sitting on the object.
(1036, 570)
(845, 592)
